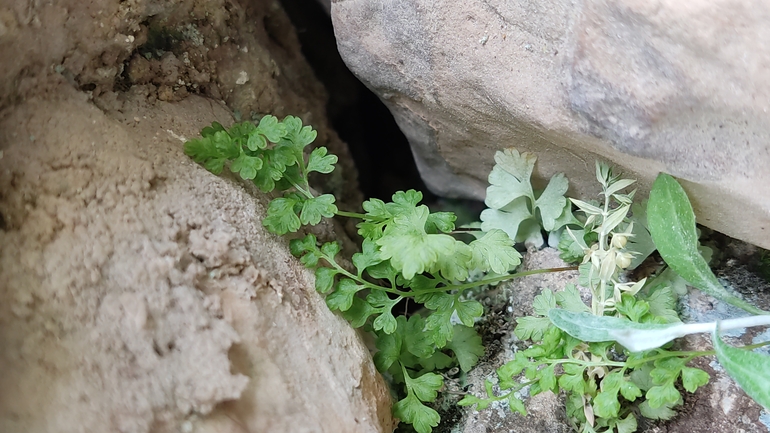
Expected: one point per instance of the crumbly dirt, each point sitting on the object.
(140, 293)
(245, 54)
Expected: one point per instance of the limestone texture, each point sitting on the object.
(649, 86)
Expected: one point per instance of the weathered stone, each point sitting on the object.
(648, 86)
(139, 292)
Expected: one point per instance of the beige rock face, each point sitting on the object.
(648, 86)
(140, 293)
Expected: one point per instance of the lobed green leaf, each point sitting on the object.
(412, 411)
(627, 424)
(274, 164)
(440, 222)
(321, 162)
(426, 386)
(437, 361)
(412, 251)
(516, 405)
(369, 256)
(544, 302)
(416, 340)
(570, 300)
(507, 219)
(548, 378)
(404, 201)
(531, 328)
(330, 249)
(662, 302)
(302, 246)
(324, 279)
(551, 202)
(666, 370)
(494, 251)
(313, 209)
(632, 307)
(573, 382)
(383, 270)
(271, 128)
(281, 217)
(212, 150)
(389, 350)
(297, 136)
(342, 297)
(468, 310)
(454, 264)
(629, 390)
(240, 131)
(247, 166)
(439, 325)
(209, 131)
(606, 404)
(694, 378)
(359, 312)
(385, 322)
(470, 400)
(663, 412)
(507, 371)
(467, 347)
(661, 395)
(510, 178)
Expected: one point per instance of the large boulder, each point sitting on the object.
(139, 292)
(649, 86)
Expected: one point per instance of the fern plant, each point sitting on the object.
(408, 252)
(604, 356)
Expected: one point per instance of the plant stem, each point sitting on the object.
(688, 354)
(497, 279)
(665, 354)
(587, 364)
(304, 192)
(363, 282)
(728, 324)
(351, 214)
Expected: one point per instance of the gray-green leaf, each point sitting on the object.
(749, 369)
(672, 225)
(551, 202)
(634, 336)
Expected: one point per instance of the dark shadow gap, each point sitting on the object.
(380, 150)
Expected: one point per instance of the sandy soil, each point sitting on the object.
(139, 292)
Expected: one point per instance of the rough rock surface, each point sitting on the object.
(649, 86)
(139, 292)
